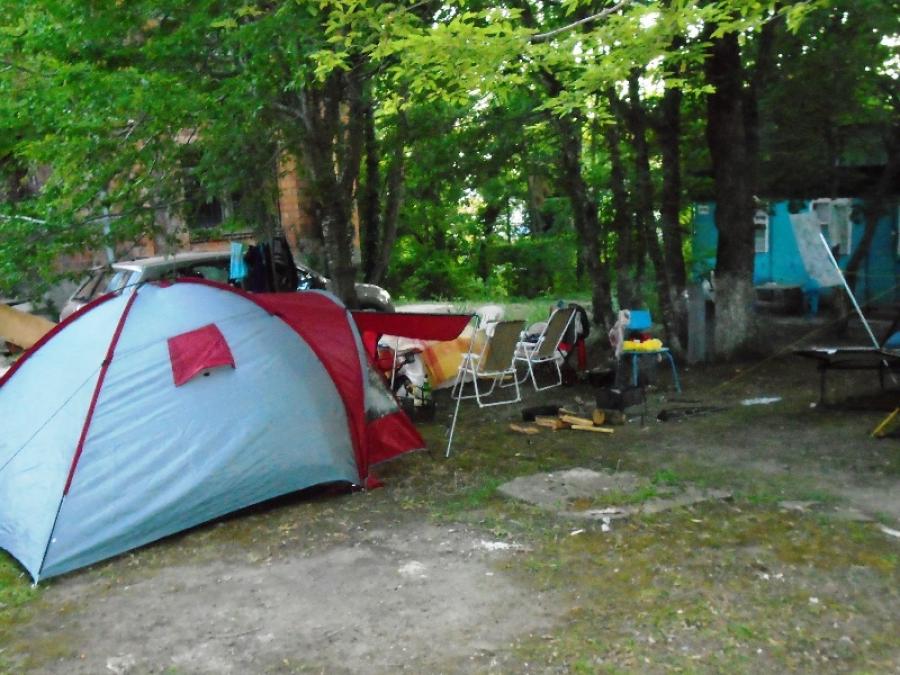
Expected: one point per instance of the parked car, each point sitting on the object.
(371, 297)
(206, 265)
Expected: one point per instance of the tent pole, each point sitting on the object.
(394, 366)
(849, 292)
(460, 380)
(89, 416)
(856, 305)
(455, 414)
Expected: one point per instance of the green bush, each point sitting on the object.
(534, 267)
(526, 268)
(420, 271)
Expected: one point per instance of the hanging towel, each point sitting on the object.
(238, 267)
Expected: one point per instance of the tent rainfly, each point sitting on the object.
(150, 412)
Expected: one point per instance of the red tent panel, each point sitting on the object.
(323, 325)
(438, 327)
(392, 435)
(195, 351)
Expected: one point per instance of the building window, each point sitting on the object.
(834, 219)
(200, 210)
(761, 231)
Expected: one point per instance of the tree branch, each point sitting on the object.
(287, 110)
(16, 66)
(540, 37)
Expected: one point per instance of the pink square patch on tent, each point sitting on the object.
(196, 351)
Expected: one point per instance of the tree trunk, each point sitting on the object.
(670, 199)
(646, 223)
(489, 218)
(669, 133)
(584, 210)
(584, 213)
(875, 204)
(333, 120)
(369, 211)
(14, 175)
(726, 137)
(759, 78)
(393, 201)
(625, 289)
(536, 184)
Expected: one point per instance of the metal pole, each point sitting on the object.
(849, 292)
(394, 365)
(460, 380)
(110, 254)
(865, 323)
(455, 412)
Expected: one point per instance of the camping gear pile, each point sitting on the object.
(496, 349)
(631, 340)
(150, 412)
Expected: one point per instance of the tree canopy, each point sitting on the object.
(507, 148)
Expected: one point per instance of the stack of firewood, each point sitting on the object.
(598, 422)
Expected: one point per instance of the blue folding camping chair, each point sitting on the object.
(640, 320)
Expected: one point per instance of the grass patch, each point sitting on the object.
(530, 309)
(475, 497)
(666, 477)
(733, 589)
(16, 595)
(617, 498)
(16, 589)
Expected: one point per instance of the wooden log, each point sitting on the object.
(528, 414)
(881, 430)
(551, 423)
(528, 429)
(591, 427)
(614, 417)
(574, 419)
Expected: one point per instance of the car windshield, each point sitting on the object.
(119, 280)
(94, 283)
(103, 281)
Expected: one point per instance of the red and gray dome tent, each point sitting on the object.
(150, 412)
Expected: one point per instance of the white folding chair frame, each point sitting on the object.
(469, 367)
(529, 349)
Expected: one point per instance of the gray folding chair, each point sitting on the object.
(490, 358)
(546, 348)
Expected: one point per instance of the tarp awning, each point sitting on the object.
(417, 326)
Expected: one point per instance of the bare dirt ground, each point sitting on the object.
(413, 597)
(439, 572)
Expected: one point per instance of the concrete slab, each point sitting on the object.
(562, 491)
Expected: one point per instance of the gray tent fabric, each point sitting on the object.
(815, 257)
(157, 458)
(42, 415)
